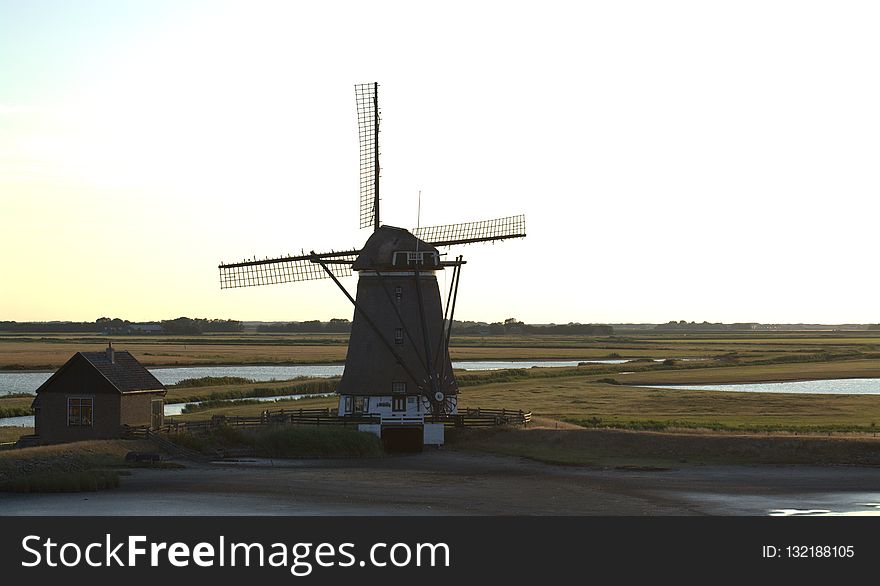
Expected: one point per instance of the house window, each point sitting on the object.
(398, 336)
(398, 294)
(398, 403)
(398, 388)
(79, 411)
(348, 405)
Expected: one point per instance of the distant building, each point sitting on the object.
(145, 329)
(95, 395)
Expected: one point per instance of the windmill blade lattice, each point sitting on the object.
(287, 269)
(470, 232)
(366, 96)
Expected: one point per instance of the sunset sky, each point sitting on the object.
(675, 160)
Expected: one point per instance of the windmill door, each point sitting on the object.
(157, 413)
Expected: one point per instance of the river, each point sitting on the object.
(838, 386)
(28, 382)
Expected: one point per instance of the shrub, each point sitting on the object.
(285, 442)
(315, 442)
(15, 411)
(212, 381)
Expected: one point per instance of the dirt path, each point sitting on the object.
(454, 483)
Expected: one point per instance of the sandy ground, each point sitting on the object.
(456, 483)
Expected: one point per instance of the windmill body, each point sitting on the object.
(397, 369)
(398, 290)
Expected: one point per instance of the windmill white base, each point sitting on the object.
(397, 413)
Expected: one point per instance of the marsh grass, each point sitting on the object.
(588, 402)
(79, 466)
(607, 448)
(212, 381)
(254, 390)
(214, 404)
(15, 411)
(679, 425)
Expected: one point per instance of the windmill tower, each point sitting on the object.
(397, 369)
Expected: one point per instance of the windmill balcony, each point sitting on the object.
(395, 412)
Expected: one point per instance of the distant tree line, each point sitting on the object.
(335, 325)
(118, 326)
(685, 326)
(512, 326)
(185, 325)
(49, 326)
(509, 326)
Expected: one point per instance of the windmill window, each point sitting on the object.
(398, 294)
(398, 388)
(398, 336)
(398, 403)
(416, 258)
(79, 411)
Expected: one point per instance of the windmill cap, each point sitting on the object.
(378, 252)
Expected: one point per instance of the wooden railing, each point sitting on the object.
(502, 416)
(274, 417)
(474, 417)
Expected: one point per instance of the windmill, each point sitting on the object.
(397, 368)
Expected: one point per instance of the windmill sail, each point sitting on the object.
(367, 98)
(286, 269)
(470, 232)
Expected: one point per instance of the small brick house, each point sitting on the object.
(95, 395)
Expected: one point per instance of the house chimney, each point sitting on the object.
(111, 355)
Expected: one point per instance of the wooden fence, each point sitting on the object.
(502, 416)
(326, 416)
(267, 418)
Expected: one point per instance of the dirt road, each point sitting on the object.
(456, 483)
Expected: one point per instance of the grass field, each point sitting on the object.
(11, 434)
(48, 351)
(606, 448)
(577, 400)
(592, 396)
(757, 373)
(564, 395)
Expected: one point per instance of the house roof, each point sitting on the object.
(125, 373)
